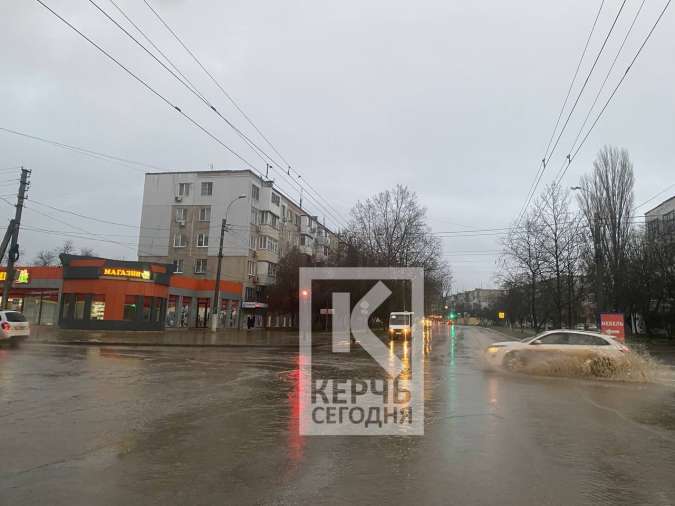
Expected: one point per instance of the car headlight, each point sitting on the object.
(493, 349)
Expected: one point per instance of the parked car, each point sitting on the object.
(13, 324)
(597, 354)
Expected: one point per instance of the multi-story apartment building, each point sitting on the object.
(660, 221)
(181, 221)
(476, 300)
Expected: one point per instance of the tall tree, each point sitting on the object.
(606, 201)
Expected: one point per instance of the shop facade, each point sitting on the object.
(190, 301)
(105, 294)
(35, 292)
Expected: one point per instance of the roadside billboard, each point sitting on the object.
(612, 324)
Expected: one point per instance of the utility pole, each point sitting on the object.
(12, 236)
(216, 290)
(598, 269)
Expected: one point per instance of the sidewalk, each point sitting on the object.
(263, 338)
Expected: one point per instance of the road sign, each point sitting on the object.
(327, 310)
(612, 324)
(501, 315)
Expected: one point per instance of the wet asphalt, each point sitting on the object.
(133, 425)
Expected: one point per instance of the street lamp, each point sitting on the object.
(216, 289)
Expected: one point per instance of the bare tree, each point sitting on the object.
(560, 242)
(524, 259)
(606, 201)
(67, 248)
(45, 257)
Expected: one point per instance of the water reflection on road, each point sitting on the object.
(172, 426)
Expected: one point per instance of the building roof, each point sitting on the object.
(225, 172)
(662, 203)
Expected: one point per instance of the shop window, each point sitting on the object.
(79, 306)
(67, 308)
(147, 308)
(130, 307)
(97, 307)
(158, 308)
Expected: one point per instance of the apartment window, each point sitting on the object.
(252, 241)
(272, 270)
(250, 293)
(207, 188)
(178, 266)
(297, 220)
(274, 220)
(200, 266)
(268, 243)
(184, 189)
(255, 217)
(181, 214)
(255, 192)
(202, 240)
(204, 214)
(179, 241)
(251, 268)
(276, 200)
(283, 213)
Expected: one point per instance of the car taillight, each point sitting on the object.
(5, 325)
(623, 348)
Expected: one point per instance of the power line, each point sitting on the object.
(192, 89)
(602, 86)
(654, 196)
(544, 162)
(331, 210)
(583, 87)
(574, 77)
(89, 152)
(611, 96)
(148, 87)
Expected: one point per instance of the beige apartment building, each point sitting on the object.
(181, 222)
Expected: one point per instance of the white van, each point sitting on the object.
(400, 324)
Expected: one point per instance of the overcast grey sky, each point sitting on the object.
(457, 100)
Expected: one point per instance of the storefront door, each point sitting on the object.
(202, 313)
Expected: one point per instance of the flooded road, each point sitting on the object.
(111, 425)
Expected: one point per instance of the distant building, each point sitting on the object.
(476, 300)
(660, 221)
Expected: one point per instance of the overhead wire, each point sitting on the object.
(602, 87)
(616, 88)
(229, 97)
(84, 151)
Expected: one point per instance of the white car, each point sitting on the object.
(13, 324)
(597, 354)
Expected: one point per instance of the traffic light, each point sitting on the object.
(452, 315)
